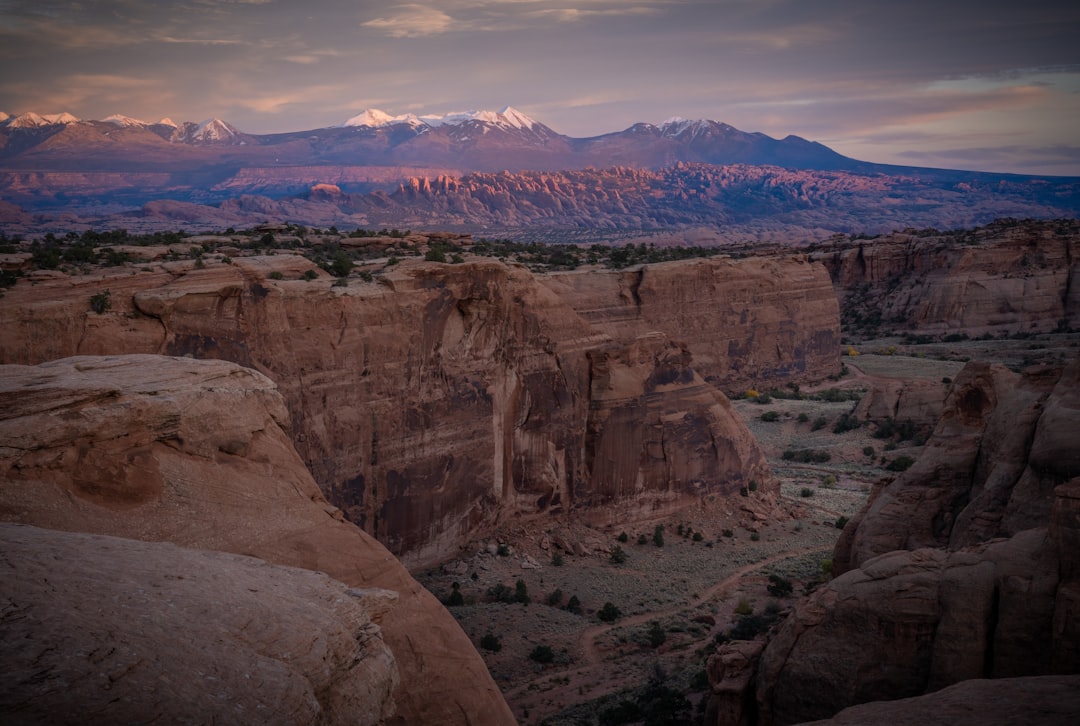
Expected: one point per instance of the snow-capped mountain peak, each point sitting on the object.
(375, 118)
(508, 117)
(124, 121)
(214, 130)
(168, 122)
(31, 120)
(4, 117)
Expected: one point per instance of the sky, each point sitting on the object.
(963, 84)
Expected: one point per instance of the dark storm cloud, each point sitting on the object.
(964, 75)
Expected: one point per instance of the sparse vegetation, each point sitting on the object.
(609, 613)
(101, 302)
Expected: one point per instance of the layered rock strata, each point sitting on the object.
(195, 452)
(104, 630)
(437, 398)
(1007, 278)
(965, 566)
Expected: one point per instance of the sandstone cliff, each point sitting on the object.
(103, 630)
(437, 398)
(195, 452)
(753, 322)
(964, 566)
(1007, 277)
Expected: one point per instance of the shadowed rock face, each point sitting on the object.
(103, 630)
(430, 402)
(1003, 278)
(194, 452)
(965, 566)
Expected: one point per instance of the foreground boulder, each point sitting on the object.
(103, 630)
(194, 452)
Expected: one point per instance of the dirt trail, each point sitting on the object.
(593, 663)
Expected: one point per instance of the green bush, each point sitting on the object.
(276, 275)
(819, 423)
(542, 654)
(618, 555)
(310, 275)
(803, 418)
(698, 536)
(770, 416)
(900, 463)
(521, 593)
(573, 605)
(503, 550)
(658, 535)
(623, 537)
(555, 598)
(435, 255)
(779, 586)
(755, 537)
(868, 451)
(728, 533)
(841, 522)
(656, 634)
(846, 422)
(609, 613)
(491, 642)
(743, 607)
(101, 302)
(557, 559)
(806, 492)
(642, 539)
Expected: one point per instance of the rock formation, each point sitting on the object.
(103, 630)
(195, 452)
(1007, 277)
(754, 322)
(1043, 700)
(435, 399)
(964, 566)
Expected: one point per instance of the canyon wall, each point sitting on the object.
(195, 452)
(1002, 278)
(758, 322)
(965, 566)
(435, 399)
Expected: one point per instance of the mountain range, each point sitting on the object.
(377, 168)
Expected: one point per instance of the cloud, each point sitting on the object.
(412, 21)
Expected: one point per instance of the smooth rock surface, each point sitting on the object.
(104, 630)
(195, 452)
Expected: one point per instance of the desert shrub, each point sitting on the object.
(542, 654)
(521, 593)
(642, 539)
(806, 456)
(900, 463)
(101, 302)
(846, 422)
(841, 522)
(828, 481)
(803, 418)
(573, 605)
(276, 275)
(753, 485)
(609, 613)
(698, 536)
(491, 642)
(779, 586)
(806, 492)
(868, 450)
(554, 599)
(656, 634)
(503, 550)
(455, 598)
(501, 593)
(658, 535)
(435, 255)
(728, 533)
(819, 423)
(557, 559)
(623, 537)
(310, 275)
(743, 607)
(755, 537)
(618, 555)
(342, 264)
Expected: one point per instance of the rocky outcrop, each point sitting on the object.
(965, 566)
(919, 401)
(103, 630)
(195, 452)
(1008, 277)
(1004, 441)
(437, 398)
(753, 322)
(1043, 700)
